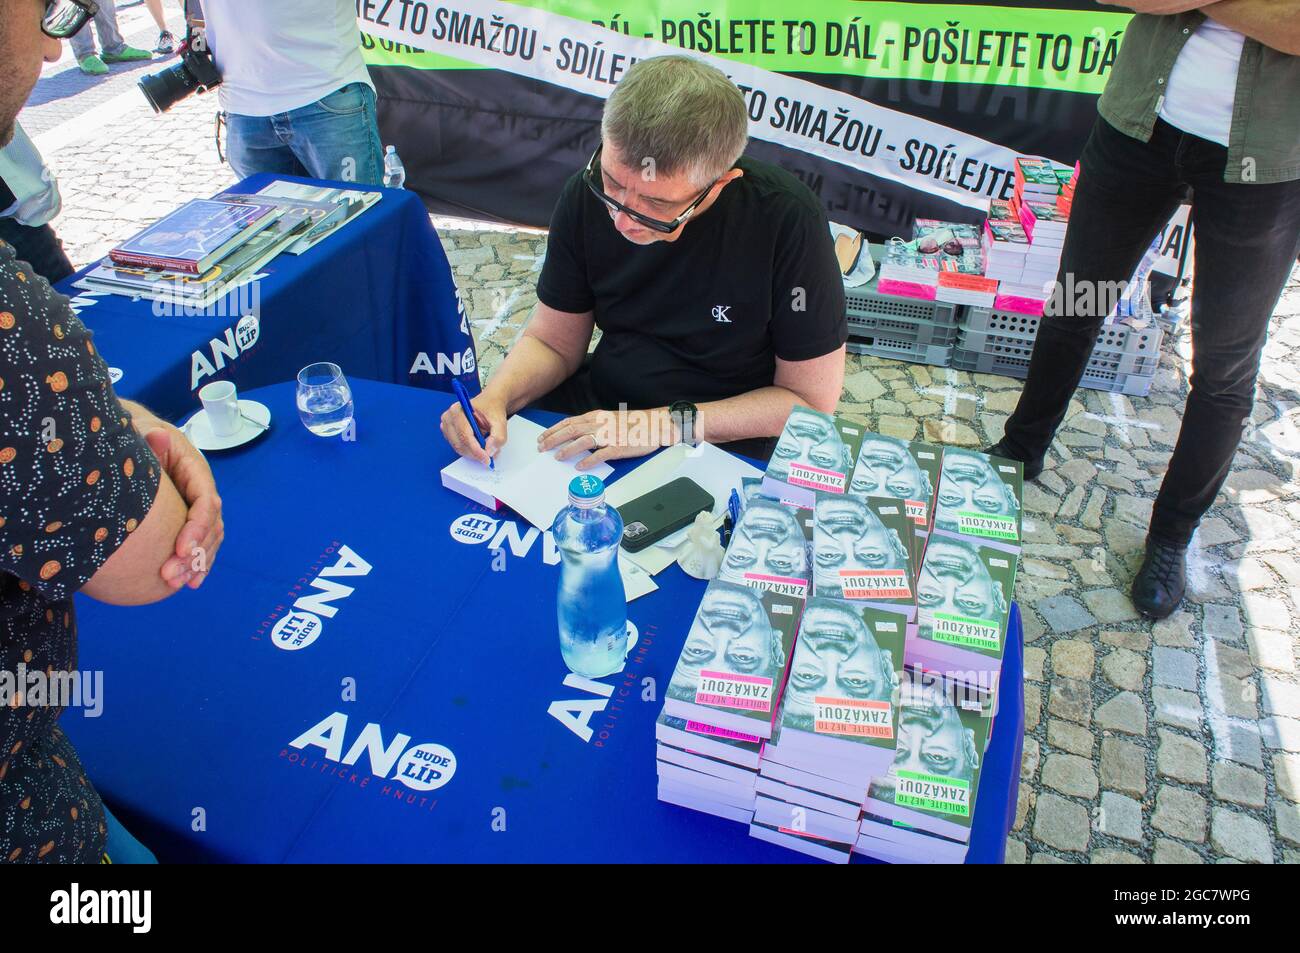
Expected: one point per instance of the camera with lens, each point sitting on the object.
(195, 73)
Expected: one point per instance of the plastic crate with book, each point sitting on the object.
(899, 327)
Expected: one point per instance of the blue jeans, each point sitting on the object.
(121, 847)
(336, 137)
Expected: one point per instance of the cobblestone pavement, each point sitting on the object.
(1178, 742)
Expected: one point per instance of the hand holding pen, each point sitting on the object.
(465, 423)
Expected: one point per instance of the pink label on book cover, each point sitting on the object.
(786, 585)
(1030, 306)
(906, 289)
(816, 478)
(729, 690)
(875, 584)
(917, 511)
(855, 717)
(700, 728)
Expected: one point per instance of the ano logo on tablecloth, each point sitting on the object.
(421, 767)
(474, 529)
(236, 340)
(302, 626)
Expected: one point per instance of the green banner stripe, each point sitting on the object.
(1032, 48)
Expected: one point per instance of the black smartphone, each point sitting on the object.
(662, 512)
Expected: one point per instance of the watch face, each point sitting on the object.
(683, 414)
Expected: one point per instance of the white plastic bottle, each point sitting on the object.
(394, 171)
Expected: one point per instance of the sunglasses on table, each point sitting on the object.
(64, 18)
(592, 176)
(932, 246)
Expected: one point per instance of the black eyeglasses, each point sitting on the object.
(592, 177)
(64, 18)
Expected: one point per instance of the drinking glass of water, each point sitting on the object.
(324, 399)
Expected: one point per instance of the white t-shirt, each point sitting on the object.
(278, 55)
(1203, 83)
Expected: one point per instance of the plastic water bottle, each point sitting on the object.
(394, 171)
(591, 607)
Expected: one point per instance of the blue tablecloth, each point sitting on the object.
(420, 640)
(377, 298)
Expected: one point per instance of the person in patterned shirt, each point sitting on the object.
(97, 496)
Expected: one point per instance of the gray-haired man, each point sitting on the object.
(711, 276)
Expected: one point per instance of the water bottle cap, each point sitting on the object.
(391, 150)
(586, 491)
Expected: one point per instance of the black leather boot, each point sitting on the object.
(1159, 585)
(1032, 467)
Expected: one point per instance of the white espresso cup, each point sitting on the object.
(222, 404)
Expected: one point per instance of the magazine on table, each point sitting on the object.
(196, 236)
(353, 203)
(198, 291)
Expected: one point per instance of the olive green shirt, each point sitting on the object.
(1264, 138)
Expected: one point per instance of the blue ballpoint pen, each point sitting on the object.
(463, 396)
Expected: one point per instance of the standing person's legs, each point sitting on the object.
(110, 37)
(166, 42)
(254, 144)
(337, 137)
(83, 41)
(1126, 192)
(156, 11)
(1247, 240)
(39, 247)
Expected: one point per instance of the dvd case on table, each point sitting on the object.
(907, 470)
(980, 496)
(865, 550)
(770, 548)
(839, 711)
(964, 594)
(732, 668)
(943, 730)
(815, 451)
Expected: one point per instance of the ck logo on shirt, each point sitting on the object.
(720, 313)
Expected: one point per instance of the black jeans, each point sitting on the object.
(1247, 240)
(39, 247)
(576, 396)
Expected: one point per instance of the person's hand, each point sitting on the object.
(490, 412)
(204, 530)
(610, 434)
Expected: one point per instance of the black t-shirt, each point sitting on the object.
(704, 317)
(75, 480)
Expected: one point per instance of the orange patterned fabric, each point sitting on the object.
(75, 479)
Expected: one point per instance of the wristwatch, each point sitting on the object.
(684, 414)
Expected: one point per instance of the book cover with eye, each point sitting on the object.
(771, 548)
(842, 691)
(963, 598)
(864, 550)
(907, 470)
(943, 731)
(732, 667)
(815, 451)
(980, 496)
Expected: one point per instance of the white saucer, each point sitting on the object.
(199, 428)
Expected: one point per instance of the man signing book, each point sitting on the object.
(712, 278)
